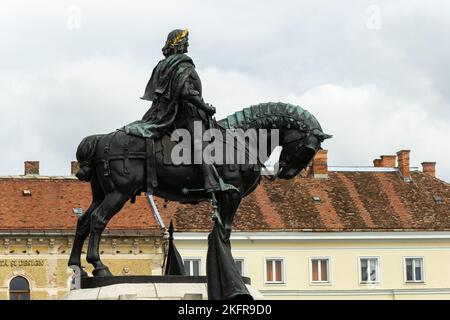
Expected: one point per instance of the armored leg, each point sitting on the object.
(211, 183)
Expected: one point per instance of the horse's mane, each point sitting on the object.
(274, 115)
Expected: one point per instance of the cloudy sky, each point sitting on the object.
(376, 74)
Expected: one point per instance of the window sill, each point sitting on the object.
(414, 282)
(369, 283)
(274, 283)
(320, 283)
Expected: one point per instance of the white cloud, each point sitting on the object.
(367, 123)
(377, 91)
(45, 115)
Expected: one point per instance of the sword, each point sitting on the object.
(155, 211)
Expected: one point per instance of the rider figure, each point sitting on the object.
(175, 90)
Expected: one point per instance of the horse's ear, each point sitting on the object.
(326, 136)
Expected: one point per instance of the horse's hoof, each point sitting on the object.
(83, 273)
(77, 268)
(102, 272)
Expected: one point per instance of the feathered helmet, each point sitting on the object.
(175, 40)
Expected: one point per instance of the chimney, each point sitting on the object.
(403, 164)
(388, 161)
(31, 167)
(377, 163)
(429, 168)
(74, 167)
(319, 165)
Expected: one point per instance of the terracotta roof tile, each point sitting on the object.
(392, 195)
(295, 204)
(50, 206)
(348, 201)
(368, 201)
(351, 203)
(325, 206)
(268, 209)
(374, 199)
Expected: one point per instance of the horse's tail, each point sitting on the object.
(85, 157)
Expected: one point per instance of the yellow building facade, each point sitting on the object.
(379, 232)
(343, 253)
(41, 262)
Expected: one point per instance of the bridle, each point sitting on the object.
(272, 177)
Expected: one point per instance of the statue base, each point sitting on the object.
(145, 288)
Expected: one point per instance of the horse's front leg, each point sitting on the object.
(228, 203)
(100, 217)
(224, 280)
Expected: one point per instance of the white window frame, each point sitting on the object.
(283, 274)
(414, 271)
(200, 269)
(313, 282)
(378, 273)
(244, 271)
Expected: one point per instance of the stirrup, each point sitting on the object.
(222, 185)
(216, 215)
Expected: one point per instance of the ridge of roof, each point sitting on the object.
(38, 177)
(366, 169)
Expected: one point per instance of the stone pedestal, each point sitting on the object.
(145, 288)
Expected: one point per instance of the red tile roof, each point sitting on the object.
(349, 201)
(50, 206)
(363, 201)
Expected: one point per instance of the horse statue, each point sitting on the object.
(124, 174)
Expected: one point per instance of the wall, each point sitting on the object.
(49, 277)
(43, 261)
(344, 256)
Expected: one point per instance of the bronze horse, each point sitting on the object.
(300, 136)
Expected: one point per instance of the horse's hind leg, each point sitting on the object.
(100, 217)
(83, 223)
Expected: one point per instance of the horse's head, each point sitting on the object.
(299, 149)
(299, 131)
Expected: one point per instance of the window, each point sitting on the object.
(239, 265)
(414, 269)
(274, 271)
(19, 289)
(437, 199)
(192, 267)
(319, 268)
(369, 270)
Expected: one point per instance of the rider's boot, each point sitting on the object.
(211, 183)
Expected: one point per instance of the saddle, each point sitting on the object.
(153, 146)
(126, 155)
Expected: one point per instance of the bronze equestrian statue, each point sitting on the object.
(136, 158)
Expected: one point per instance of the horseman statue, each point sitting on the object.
(138, 158)
(175, 90)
